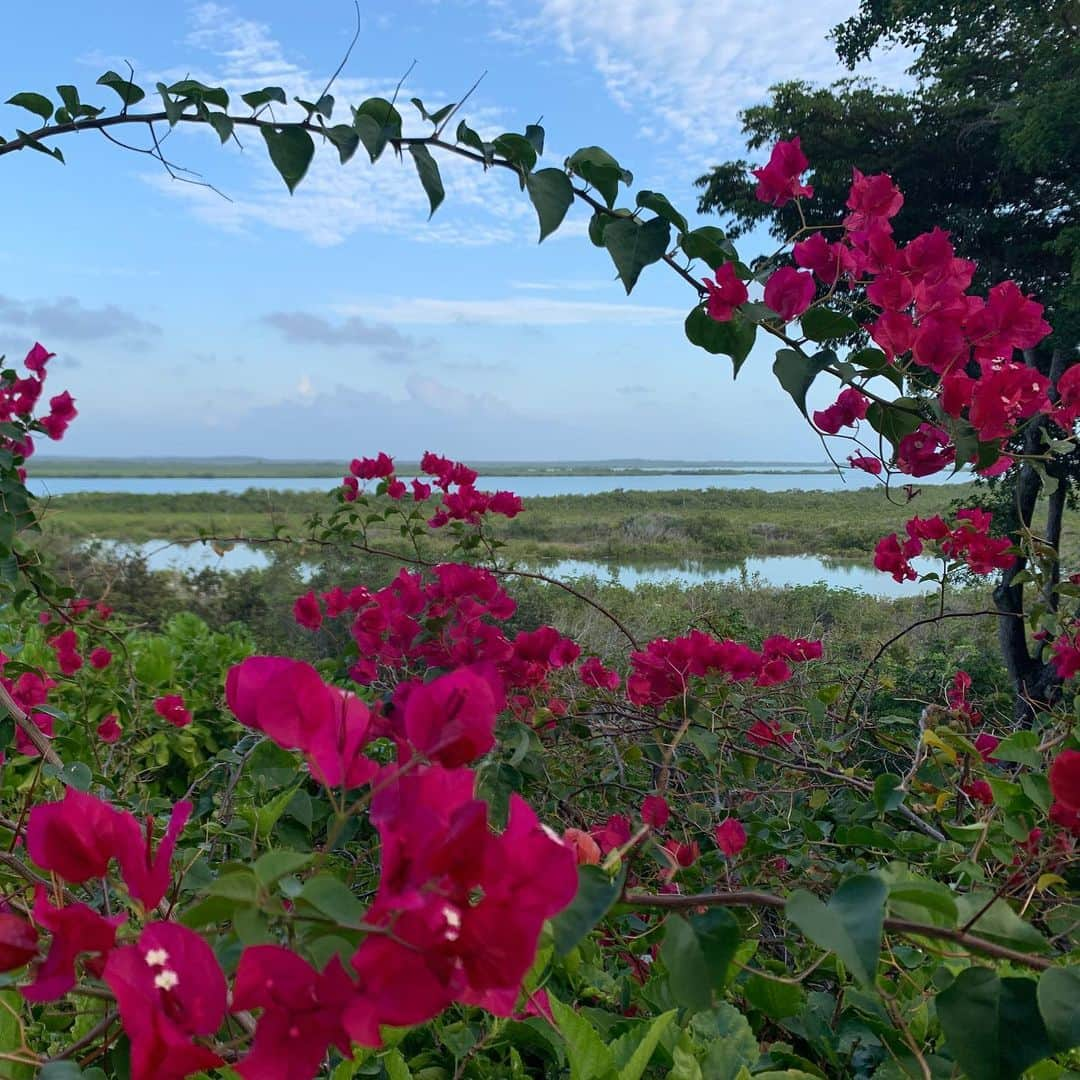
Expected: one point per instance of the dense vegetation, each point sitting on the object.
(792, 838)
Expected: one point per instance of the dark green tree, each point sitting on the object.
(987, 145)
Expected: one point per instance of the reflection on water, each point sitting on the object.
(779, 571)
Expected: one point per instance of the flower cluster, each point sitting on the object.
(465, 504)
(19, 398)
(968, 541)
(661, 671)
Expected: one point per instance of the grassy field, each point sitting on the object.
(716, 523)
(209, 468)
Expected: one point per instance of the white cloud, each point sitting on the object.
(511, 311)
(686, 67)
(335, 201)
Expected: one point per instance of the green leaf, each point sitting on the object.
(1059, 1006)
(796, 373)
(60, 1070)
(927, 896)
(998, 922)
(776, 1000)
(598, 168)
(199, 92)
(894, 420)
(274, 865)
(633, 246)
(589, 1058)
(1021, 747)
(992, 1026)
(635, 1067)
(345, 138)
(323, 107)
(887, 793)
(850, 925)
(130, 94)
(428, 171)
(709, 244)
(35, 103)
(291, 150)
(552, 194)
(823, 324)
(69, 95)
(517, 150)
(222, 124)
(596, 895)
(697, 953)
(734, 338)
(658, 204)
(469, 138)
(376, 122)
(332, 897)
(436, 117)
(396, 1066)
(535, 134)
(256, 98)
(74, 774)
(731, 1047)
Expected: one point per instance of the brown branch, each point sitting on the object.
(41, 743)
(901, 926)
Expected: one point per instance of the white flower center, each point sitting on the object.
(156, 958)
(166, 979)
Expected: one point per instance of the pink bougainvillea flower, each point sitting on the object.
(849, 408)
(979, 791)
(147, 873)
(18, 941)
(375, 468)
(789, 292)
(76, 930)
(75, 837)
(109, 730)
(614, 833)
(925, 451)
(780, 180)
(767, 733)
(169, 989)
(302, 1012)
(655, 811)
(872, 198)
(100, 658)
(451, 720)
(683, 855)
(288, 701)
(586, 850)
(307, 612)
(1064, 778)
(893, 557)
(730, 837)
(171, 707)
(869, 465)
(593, 673)
(726, 293)
(37, 358)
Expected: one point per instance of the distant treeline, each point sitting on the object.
(212, 468)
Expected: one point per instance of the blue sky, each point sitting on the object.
(339, 321)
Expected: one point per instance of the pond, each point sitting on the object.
(779, 571)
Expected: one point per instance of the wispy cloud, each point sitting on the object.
(335, 201)
(66, 319)
(685, 68)
(512, 311)
(302, 328)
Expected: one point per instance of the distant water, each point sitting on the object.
(526, 486)
(779, 571)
